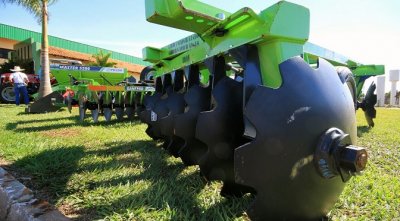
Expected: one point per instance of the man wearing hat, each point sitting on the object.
(20, 81)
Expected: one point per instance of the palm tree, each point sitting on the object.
(39, 9)
(101, 60)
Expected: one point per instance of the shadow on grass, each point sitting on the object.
(361, 130)
(49, 170)
(172, 191)
(170, 187)
(27, 128)
(14, 125)
(46, 120)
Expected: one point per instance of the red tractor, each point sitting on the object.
(7, 94)
(7, 89)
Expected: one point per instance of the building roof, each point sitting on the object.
(59, 52)
(19, 34)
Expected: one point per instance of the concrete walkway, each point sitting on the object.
(17, 203)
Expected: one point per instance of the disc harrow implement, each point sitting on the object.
(101, 90)
(255, 105)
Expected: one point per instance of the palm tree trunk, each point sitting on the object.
(45, 86)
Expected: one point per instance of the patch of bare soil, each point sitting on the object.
(77, 214)
(4, 163)
(61, 133)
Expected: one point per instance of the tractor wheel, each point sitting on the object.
(281, 162)
(7, 94)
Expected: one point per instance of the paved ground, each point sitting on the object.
(17, 203)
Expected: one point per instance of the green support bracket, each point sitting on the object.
(279, 32)
(190, 15)
(368, 70)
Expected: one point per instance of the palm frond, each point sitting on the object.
(101, 59)
(33, 6)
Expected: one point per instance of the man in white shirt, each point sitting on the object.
(20, 81)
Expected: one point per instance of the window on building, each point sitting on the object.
(4, 53)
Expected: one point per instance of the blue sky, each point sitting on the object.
(365, 30)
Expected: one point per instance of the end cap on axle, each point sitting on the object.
(336, 156)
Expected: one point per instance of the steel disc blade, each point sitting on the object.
(82, 112)
(197, 99)
(146, 115)
(130, 112)
(69, 103)
(119, 113)
(107, 113)
(289, 120)
(221, 129)
(149, 102)
(175, 105)
(95, 115)
(368, 105)
(369, 116)
(160, 110)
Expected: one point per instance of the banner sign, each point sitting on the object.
(139, 88)
(88, 68)
(184, 44)
(105, 88)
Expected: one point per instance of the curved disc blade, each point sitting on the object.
(289, 120)
(148, 102)
(145, 116)
(82, 113)
(221, 129)
(176, 105)
(119, 113)
(95, 115)
(107, 111)
(69, 103)
(368, 105)
(82, 108)
(159, 111)
(130, 112)
(198, 100)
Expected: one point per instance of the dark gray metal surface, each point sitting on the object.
(288, 122)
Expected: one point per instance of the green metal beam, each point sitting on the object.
(190, 15)
(279, 32)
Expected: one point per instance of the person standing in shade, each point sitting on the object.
(20, 81)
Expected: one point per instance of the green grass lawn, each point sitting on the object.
(113, 171)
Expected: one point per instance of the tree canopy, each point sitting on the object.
(101, 59)
(33, 6)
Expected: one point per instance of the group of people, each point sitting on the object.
(20, 81)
